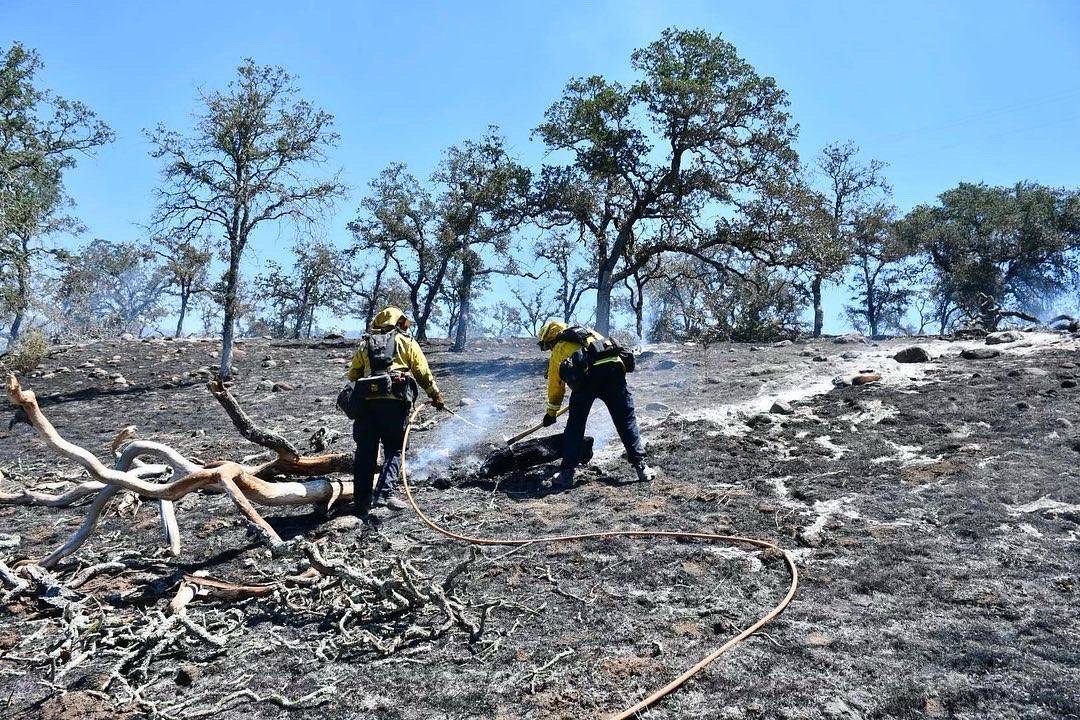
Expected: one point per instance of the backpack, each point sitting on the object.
(381, 384)
(575, 368)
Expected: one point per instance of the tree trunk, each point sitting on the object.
(464, 310)
(232, 278)
(871, 309)
(22, 301)
(16, 326)
(604, 286)
(185, 295)
(819, 311)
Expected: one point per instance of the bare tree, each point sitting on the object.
(533, 310)
(243, 167)
(565, 256)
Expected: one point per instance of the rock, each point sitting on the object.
(759, 420)
(816, 639)
(188, 674)
(265, 385)
(840, 381)
(466, 402)
(282, 387)
(755, 348)
(865, 379)
(766, 507)
(1068, 384)
(1028, 372)
(849, 355)
(781, 408)
(713, 380)
(343, 523)
(656, 407)
(127, 337)
(120, 380)
(782, 343)
(850, 339)
(1005, 336)
(333, 336)
(1023, 405)
(914, 354)
(820, 358)
(932, 708)
(1063, 423)
(979, 354)
(667, 364)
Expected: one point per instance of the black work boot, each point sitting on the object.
(644, 472)
(564, 480)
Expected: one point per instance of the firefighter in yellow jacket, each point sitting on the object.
(386, 369)
(602, 377)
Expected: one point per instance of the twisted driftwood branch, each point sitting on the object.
(239, 482)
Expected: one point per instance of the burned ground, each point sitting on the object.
(935, 517)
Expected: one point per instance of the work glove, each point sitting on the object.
(548, 420)
(438, 402)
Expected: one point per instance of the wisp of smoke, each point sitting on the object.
(452, 436)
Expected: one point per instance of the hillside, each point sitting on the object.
(934, 516)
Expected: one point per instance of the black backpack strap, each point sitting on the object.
(575, 334)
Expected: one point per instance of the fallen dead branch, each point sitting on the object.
(173, 476)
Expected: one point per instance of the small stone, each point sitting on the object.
(781, 408)
(1005, 336)
(1029, 372)
(782, 343)
(1063, 423)
(188, 674)
(1022, 405)
(816, 639)
(760, 420)
(851, 338)
(712, 380)
(840, 381)
(1068, 383)
(343, 523)
(656, 407)
(766, 507)
(466, 402)
(849, 355)
(865, 379)
(820, 358)
(933, 708)
(667, 364)
(914, 354)
(979, 354)
(266, 385)
(282, 387)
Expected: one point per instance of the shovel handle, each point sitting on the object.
(530, 431)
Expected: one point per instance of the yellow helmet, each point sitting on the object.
(387, 318)
(549, 332)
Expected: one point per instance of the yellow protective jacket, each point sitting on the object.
(408, 357)
(556, 388)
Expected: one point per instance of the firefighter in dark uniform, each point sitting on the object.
(601, 375)
(386, 369)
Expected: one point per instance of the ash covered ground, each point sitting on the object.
(934, 516)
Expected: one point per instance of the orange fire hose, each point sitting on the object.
(670, 534)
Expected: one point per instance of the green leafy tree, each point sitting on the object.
(41, 136)
(698, 128)
(997, 252)
(883, 278)
(246, 164)
(484, 200)
(297, 296)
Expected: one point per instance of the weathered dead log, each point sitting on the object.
(289, 461)
(238, 481)
(530, 453)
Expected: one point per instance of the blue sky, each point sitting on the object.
(942, 92)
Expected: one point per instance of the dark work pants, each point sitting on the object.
(379, 421)
(606, 383)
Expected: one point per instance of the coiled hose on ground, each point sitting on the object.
(669, 534)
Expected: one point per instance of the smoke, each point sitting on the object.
(452, 440)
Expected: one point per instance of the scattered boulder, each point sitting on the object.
(656, 407)
(979, 354)
(1068, 383)
(760, 420)
(782, 343)
(781, 408)
(189, 673)
(265, 385)
(466, 402)
(282, 387)
(820, 358)
(865, 379)
(1028, 372)
(1005, 336)
(713, 380)
(849, 355)
(913, 354)
(851, 339)
(840, 381)
(667, 364)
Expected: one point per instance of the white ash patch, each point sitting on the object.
(1044, 504)
(872, 411)
(838, 451)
